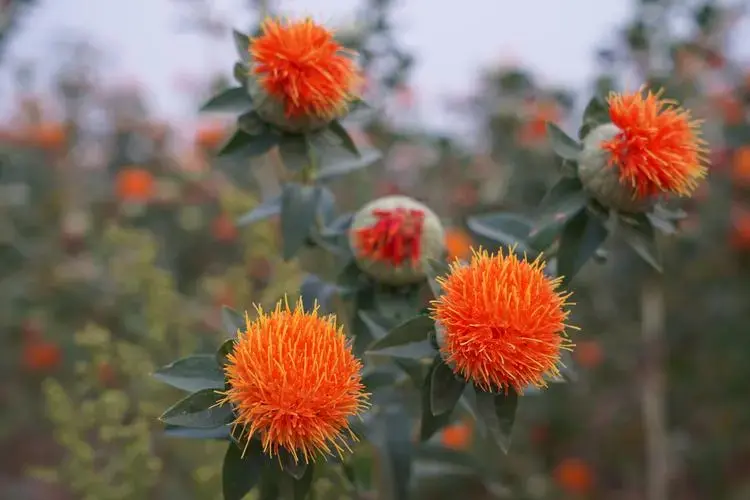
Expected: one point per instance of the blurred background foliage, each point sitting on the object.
(118, 248)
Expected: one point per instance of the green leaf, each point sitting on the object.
(504, 228)
(595, 114)
(377, 330)
(266, 209)
(373, 378)
(562, 203)
(415, 329)
(290, 466)
(298, 209)
(240, 474)
(580, 239)
(242, 45)
(251, 123)
(446, 388)
(224, 350)
(192, 374)
(498, 414)
(233, 100)
(339, 131)
(338, 168)
(350, 277)
(436, 269)
(639, 234)
(303, 484)
(295, 151)
(241, 72)
(190, 433)
(232, 321)
(198, 410)
(430, 423)
(411, 351)
(242, 146)
(565, 146)
(395, 449)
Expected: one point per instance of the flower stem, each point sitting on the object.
(653, 389)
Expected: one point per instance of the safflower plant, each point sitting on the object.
(295, 387)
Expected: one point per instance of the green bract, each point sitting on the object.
(601, 180)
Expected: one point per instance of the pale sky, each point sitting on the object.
(451, 41)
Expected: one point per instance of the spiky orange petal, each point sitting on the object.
(302, 65)
(659, 149)
(294, 381)
(395, 237)
(503, 321)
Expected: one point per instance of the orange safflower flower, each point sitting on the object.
(574, 476)
(457, 244)
(501, 321)
(658, 149)
(395, 237)
(41, 356)
(135, 185)
(589, 354)
(457, 436)
(210, 136)
(294, 381)
(304, 67)
(741, 166)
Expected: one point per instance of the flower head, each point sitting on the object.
(294, 382)
(393, 236)
(300, 65)
(658, 149)
(501, 321)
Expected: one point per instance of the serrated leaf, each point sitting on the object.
(243, 146)
(266, 209)
(232, 321)
(198, 410)
(223, 351)
(565, 146)
(579, 241)
(498, 414)
(242, 45)
(562, 203)
(295, 151)
(395, 449)
(446, 388)
(412, 330)
(341, 167)
(176, 431)
(193, 373)
(240, 474)
(430, 423)
(641, 237)
(233, 100)
(298, 206)
(436, 269)
(339, 131)
(504, 228)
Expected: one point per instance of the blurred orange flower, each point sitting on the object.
(457, 244)
(457, 436)
(135, 185)
(41, 356)
(210, 136)
(731, 109)
(503, 321)
(294, 382)
(302, 65)
(659, 148)
(589, 353)
(574, 476)
(49, 136)
(534, 129)
(740, 232)
(223, 228)
(741, 166)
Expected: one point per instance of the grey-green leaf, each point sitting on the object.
(339, 131)
(192, 373)
(266, 209)
(233, 100)
(242, 146)
(232, 321)
(498, 414)
(242, 45)
(446, 388)
(298, 211)
(565, 146)
(580, 239)
(198, 410)
(415, 329)
(641, 237)
(240, 474)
